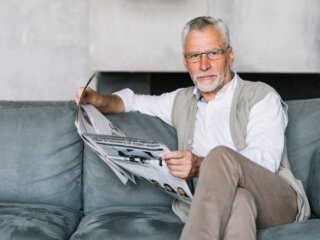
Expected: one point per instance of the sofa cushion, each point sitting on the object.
(308, 230)
(303, 135)
(41, 154)
(314, 183)
(36, 221)
(135, 223)
(101, 186)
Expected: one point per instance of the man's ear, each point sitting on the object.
(185, 63)
(230, 56)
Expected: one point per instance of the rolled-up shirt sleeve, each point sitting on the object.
(265, 132)
(159, 106)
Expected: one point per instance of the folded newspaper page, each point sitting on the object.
(87, 126)
(128, 157)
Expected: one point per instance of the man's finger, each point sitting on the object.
(173, 154)
(78, 94)
(176, 168)
(174, 161)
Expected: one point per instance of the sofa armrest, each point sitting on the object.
(314, 183)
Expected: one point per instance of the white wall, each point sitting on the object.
(43, 48)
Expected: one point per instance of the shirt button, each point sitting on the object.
(189, 141)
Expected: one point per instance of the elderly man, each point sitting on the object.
(231, 141)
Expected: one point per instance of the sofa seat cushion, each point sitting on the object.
(307, 230)
(135, 223)
(35, 221)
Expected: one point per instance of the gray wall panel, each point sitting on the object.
(273, 35)
(267, 35)
(43, 48)
(48, 48)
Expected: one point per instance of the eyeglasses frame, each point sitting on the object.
(219, 51)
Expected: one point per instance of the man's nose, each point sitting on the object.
(205, 63)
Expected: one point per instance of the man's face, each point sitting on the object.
(207, 74)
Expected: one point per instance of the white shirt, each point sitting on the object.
(265, 131)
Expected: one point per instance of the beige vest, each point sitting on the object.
(246, 95)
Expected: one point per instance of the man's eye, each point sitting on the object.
(194, 55)
(213, 53)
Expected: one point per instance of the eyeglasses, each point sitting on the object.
(212, 54)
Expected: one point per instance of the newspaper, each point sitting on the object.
(128, 157)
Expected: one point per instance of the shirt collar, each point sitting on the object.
(228, 87)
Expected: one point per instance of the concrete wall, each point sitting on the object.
(140, 35)
(43, 48)
(273, 35)
(144, 35)
(48, 48)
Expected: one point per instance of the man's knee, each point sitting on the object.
(218, 155)
(220, 149)
(222, 161)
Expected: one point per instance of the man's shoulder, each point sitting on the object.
(185, 94)
(254, 87)
(187, 91)
(251, 92)
(184, 102)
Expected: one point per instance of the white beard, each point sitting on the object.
(207, 88)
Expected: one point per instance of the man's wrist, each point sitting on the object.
(103, 103)
(196, 165)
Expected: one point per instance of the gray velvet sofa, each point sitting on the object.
(54, 187)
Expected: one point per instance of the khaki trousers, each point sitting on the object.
(235, 196)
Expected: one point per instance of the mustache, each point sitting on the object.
(206, 75)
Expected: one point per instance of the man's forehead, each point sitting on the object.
(205, 38)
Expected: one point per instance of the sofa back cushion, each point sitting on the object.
(303, 136)
(314, 183)
(101, 186)
(40, 154)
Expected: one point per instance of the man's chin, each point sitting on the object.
(208, 88)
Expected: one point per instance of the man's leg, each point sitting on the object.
(222, 172)
(242, 221)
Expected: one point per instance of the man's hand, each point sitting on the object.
(183, 164)
(90, 97)
(105, 103)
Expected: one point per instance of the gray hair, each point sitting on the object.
(200, 23)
